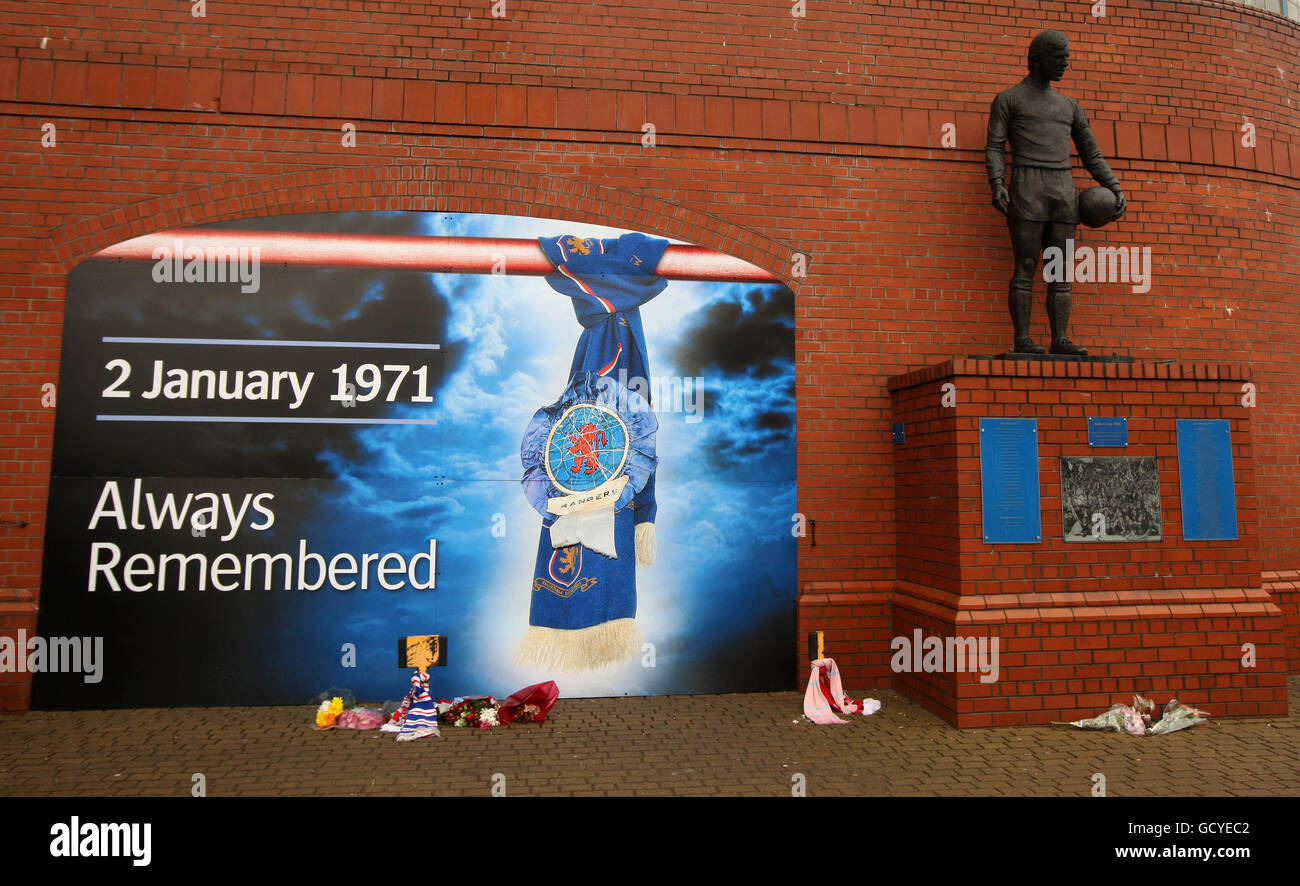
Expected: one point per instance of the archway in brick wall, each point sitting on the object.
(468, 190)
(457, 187)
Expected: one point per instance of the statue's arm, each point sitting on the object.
(995, 154)
(1092, 159)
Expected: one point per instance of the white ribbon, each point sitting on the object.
(591, 529)
(605, 495)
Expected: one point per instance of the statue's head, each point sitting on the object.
(1049, 55)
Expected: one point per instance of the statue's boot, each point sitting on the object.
(1058, 314)
(1021, 302)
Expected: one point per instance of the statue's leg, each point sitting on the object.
(1026, 240)
(1058, 295)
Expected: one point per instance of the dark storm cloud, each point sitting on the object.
(742, 344)
(774, 421)
(739, 449)
(345, 304)
(744, 333)
(429, 513)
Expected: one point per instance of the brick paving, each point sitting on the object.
(753, 745)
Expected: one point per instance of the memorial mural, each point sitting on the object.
(261, 482)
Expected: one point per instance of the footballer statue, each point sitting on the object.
(1041, 205)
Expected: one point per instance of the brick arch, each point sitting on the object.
(432, 187)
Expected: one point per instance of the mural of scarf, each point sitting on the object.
(583, 609)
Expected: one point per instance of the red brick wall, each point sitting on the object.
(1054, 667)
(776, 135)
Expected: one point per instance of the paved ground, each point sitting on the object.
(681, 745)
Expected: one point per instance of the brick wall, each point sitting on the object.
(822, 135)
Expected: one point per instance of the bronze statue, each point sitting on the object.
(1042, 207)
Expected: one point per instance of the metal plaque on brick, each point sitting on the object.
(1108, 431)
(1205, 479)
(1110, 498)
(1009, 480)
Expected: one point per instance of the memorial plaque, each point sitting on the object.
(1205, 479)
(900, 434)
(1110, 499)
(1108, 431)
(1009, 480)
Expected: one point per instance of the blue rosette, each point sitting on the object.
(582, 445)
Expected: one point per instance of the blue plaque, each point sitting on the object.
(1009, 480)
(1108, 431)
(1205, 479)
(899, 434)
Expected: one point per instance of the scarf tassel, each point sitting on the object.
(583, 649)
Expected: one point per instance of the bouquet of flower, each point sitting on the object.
(1131, 719)
(1177, 716)
(360, 718)
(530, 704)
(528, 714)
(328, 713)
(480, 712)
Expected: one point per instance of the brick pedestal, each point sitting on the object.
(17, 613)
(1079, 626)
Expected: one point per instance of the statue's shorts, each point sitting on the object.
(1042, 195)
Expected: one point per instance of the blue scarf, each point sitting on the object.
(574, 587)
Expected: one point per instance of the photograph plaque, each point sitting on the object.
(1113, 498)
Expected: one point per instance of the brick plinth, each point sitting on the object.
(1079, 626)
(15, 686)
